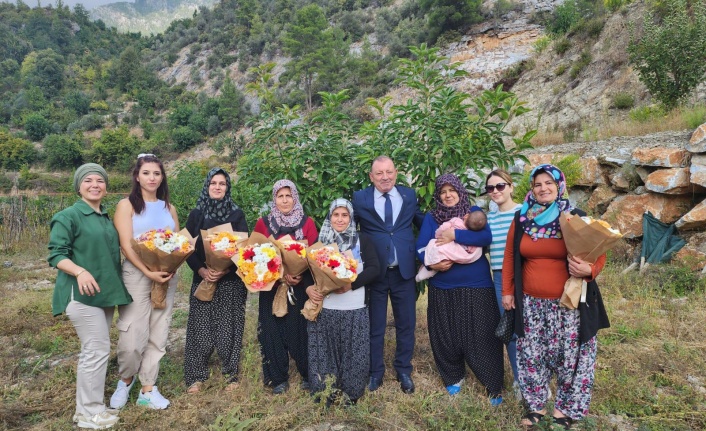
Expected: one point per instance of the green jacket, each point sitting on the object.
(90, 240)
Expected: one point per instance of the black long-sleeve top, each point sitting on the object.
(195, 223)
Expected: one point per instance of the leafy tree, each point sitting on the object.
(63, 151)
(15, 152)
(670, 57)
(78, 101)
(315, 48)
(441, 130)
(185, 137)
(185, 183)
(444, 15)
(231, 109)
(45, 70)
(116, 148)
(36, 126)
(127, 68)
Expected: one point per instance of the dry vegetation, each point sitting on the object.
(651, 370)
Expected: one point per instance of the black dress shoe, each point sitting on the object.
(281, 388)
(406, 383)
(374, 383)
(305, 386)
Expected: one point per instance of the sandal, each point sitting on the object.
(565, 421)
(533, 418)
(195, 388)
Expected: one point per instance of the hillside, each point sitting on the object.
(147, 16)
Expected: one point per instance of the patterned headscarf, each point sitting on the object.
(216, 209)
(349, 237)
(542, 220)
(442, 213)
(278, 221)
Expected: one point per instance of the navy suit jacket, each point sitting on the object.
(402, 234)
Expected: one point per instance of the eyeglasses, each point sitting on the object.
(141, 155)
(499, 186)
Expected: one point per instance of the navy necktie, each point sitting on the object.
(388, 226)
(388, 211)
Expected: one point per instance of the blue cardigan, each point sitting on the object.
(476, 274)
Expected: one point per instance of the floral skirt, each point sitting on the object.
(551, 346)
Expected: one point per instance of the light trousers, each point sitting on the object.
(143, 330)
(92, 326)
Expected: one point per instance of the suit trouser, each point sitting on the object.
(143, 330)
(92, 326)
(403, 298)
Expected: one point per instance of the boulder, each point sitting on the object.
(691, 258)
(600, 199)
(578, 196)
(538, 159)
(591, 173)
(694, 219)
(660, 157)
(698, 169)
(625, 212)
(625, 179)
(697, 143)
(669, 181)
(642, 172)
(618, 156)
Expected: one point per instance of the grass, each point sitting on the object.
(641, 121)
(651, 369)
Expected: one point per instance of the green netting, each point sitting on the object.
(659, 240)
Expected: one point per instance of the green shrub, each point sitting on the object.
(185, 184)
(623, 101)
(36, 126)
(591, 28)
(614, 5)
(541, 44)
(644, 114)
(15, 152)
(565, 16)
(695, 116)
(6, 183)
(562, 45)
(669, 55)
(185, 137)
(62, 151)
(100, 106)
(584, 60)
(560, 69)
(115, 149)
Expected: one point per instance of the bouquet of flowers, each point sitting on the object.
(586, 238)
(163, 250)
(220, 244)
(259, 263)
(294, 262)
(331, 270)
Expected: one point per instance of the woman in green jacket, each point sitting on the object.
(83, 245)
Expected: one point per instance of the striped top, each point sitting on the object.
(499, 224)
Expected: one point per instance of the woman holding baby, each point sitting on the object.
(462, 312)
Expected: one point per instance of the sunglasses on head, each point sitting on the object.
(499, 186)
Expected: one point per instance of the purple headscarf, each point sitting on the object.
(442, 213)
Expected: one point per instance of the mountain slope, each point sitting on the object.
(147, 16)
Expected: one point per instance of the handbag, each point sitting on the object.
(506, 328)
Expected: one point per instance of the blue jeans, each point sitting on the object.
(511, 346)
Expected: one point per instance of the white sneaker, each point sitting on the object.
(121, 394)
(98, 422)
(152, 400)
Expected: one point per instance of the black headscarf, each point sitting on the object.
(216, 209)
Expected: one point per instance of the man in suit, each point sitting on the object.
(386, 212)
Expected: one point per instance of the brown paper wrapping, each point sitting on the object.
(585, 241)
(293, 263)
(216, 260)
(158, 260)
(279, 304)
(254, 239)
(325, 281)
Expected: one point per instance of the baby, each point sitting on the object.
(452, 251)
